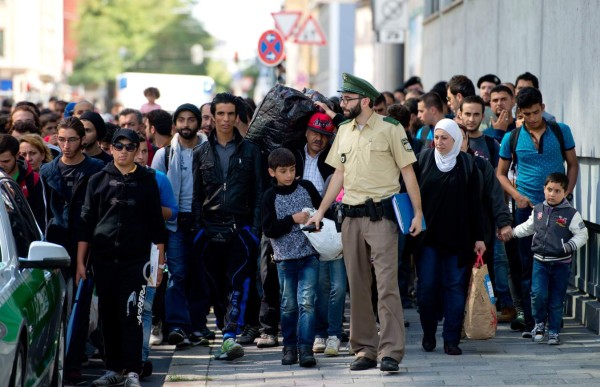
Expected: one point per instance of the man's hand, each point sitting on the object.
(504, 120)
(479, 247)
(300, 217)
(316, 219)
(80, 273)
(416, 226)
(523, 201)
(505, 233)
(330, 113)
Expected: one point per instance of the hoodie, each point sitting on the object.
(121, 215)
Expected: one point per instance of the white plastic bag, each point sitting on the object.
(327, 241)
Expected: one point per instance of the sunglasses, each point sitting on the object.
(119, 146)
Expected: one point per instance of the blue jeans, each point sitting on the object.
(331, 298)
(441, 286)
(548, 291)
(182, 305)
(147, 320)
(521, 215)
(501, 274)
(298, 280)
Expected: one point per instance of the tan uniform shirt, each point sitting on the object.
(371, 158)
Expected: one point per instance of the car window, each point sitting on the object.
(21, 219)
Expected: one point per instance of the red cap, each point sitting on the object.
(320, 122)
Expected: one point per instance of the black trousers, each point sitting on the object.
(121, 289)
(269, 305)
(231, 269)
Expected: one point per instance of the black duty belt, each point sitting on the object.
(372, 210)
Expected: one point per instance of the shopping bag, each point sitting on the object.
(480, 311)
(327, 241)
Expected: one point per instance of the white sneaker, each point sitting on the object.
(333, 346)
(538, 332)
(110, 378)
(156, 335)
(132, 380)
(319, 345)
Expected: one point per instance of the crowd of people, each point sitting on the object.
(222, 219)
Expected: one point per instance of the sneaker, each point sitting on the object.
(319, 345)
(156, 335)
(207, 333)
(508, 314)
(553, 338)
(230, 350)
(110, 378)
(526, 334)
(266, 341)
(147, 369)
(537, 332)
(196, 338)
(132, 380)
(248, 335)
(518, 324)
(332, 346)
(179, 339)
(290, 355)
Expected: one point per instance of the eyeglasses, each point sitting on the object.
(345, 100)
(119, 146)
(70, 140)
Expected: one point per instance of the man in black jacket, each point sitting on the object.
(120, 219)
(226, 204)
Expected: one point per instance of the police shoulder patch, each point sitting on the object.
(406, 145)
(391, 120)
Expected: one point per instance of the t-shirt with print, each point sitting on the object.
(480, 147)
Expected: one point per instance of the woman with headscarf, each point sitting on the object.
(451, 196)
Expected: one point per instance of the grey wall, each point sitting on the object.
(557, 40)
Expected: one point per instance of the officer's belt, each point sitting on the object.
(361, 211)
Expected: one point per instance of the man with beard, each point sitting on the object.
(369, 154)
(228, 188)
(95, 129)
(158, 127)
(208, 121)
(186, 299)
(502, 120)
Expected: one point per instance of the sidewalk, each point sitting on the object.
(506, 360)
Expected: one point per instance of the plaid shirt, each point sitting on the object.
(311, 171)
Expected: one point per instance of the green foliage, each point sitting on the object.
(217, 70)
(171, 51)
(115, 35)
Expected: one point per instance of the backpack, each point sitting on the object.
(424, 134)
(167, 157)
(491, 144)
(514, 137)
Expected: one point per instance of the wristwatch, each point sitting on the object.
(162, 266)
(570, 197)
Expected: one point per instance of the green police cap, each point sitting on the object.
(357, 85)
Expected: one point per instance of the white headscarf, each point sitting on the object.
(446, 162)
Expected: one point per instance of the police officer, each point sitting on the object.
(369, 154)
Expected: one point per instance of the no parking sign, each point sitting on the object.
(270, 48)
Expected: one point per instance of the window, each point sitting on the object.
(22, 223)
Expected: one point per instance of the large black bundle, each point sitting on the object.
(281, 118)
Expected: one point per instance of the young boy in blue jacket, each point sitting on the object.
(558, 231)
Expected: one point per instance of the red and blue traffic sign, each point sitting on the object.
(270, 48)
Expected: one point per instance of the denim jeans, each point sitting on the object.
(548, 291)
(298, 280)
(501, 270)
(441, 286)
(147, 320)
(521, 215)
(331, 298)
(176, 298)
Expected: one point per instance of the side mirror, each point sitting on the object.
(45, 255)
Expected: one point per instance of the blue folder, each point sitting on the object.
(404, 212)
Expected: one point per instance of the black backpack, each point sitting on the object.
(514, 137)
(167, 157)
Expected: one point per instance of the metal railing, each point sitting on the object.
(586, 264)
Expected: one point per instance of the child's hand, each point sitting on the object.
(300, 217)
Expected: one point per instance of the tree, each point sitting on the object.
(113, 35)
